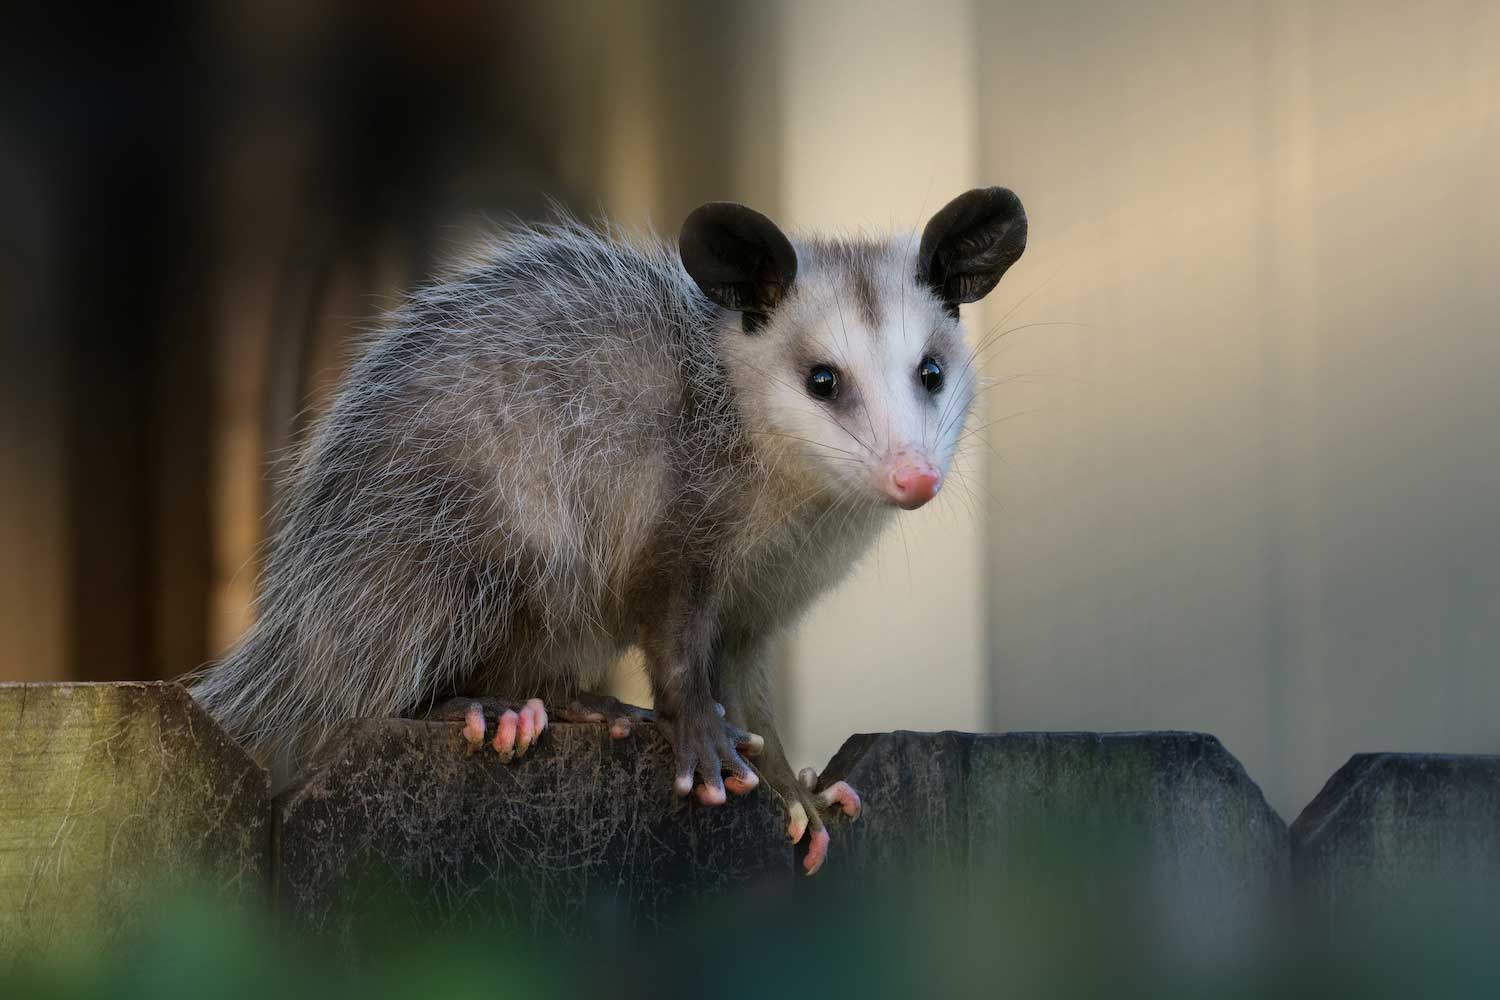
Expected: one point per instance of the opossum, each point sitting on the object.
(587, 441)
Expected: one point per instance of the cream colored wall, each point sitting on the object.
(878, 130)
(1258, 494)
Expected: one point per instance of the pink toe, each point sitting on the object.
(526, 731)
(540, 710)
(796, 824)
(712, 795)
(683, 784)
(474, 727)
(845, 797)
(620, 729)
(505, 734)
(741, 786)
(817, 850)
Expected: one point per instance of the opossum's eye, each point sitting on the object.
(931, 374)
(823, 382)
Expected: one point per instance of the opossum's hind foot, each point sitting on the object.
(620, 717)
(806, 805)
(838, 795)
(518, 725)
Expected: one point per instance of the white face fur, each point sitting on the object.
(849, 357)
(860, 372)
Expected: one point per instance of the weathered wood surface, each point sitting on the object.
(583, 829)
(1415, 831)
(1166, 824)
(112, 795)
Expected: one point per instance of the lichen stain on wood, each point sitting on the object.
(114, 794)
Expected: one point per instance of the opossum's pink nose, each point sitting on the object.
(913, 483)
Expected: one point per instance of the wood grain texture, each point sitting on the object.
(1402, 833)
(1165, 825)
(114, 795)
(400, 819)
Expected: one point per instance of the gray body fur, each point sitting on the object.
(575, 446)
(511, 482)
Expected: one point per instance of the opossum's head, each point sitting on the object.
(848, 354)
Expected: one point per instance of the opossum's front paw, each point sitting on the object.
(710, 748)
(806, 805)
(620, 717)
(518, 726)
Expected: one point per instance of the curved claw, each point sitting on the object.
(505, 735)
(742, 785)
(710, 790)
(474, 726)
(749, 744)
(531, 720)
(525, 731)
(817, 851)
(801, 819)
(796, 824)
(711, 795)
(622, 719)
(839, 793)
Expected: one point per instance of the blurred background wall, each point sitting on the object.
(1238, 471)
(1258, 492)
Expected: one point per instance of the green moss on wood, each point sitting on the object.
(113, 795)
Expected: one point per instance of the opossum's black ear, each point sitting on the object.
(970, 243)
(739, 258)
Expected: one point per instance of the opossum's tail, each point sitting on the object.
(338, 641)
(249, 693)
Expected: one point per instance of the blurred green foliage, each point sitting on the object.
(1074, 921)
